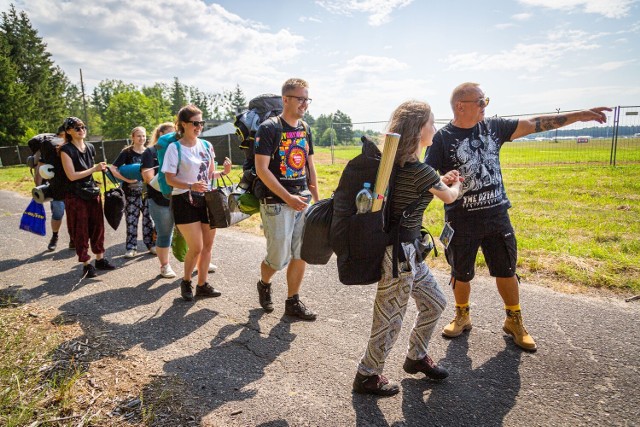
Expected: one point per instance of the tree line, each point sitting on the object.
(36, 94)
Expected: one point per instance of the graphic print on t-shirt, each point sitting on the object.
(204, 167)
(293, 151)
(478, 162)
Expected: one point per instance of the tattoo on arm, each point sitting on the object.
(549, 123)
(440, 186)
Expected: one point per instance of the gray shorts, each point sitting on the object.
(283, 228)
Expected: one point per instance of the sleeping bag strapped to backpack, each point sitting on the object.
(161, 148)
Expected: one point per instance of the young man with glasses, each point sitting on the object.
(471, 144)
(284, 164)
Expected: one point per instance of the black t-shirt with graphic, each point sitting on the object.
(150, 160)
(82, 161)
(290, 151)
(129, 157)
(475, 153)
(49, 155)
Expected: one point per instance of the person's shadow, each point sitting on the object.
(238, 356)
(480, 397)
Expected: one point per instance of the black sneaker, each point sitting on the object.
(186, 290)
(72, 245)
(53, 243)
(89, 271)
(104, 264)
(374, 384)
(294, 307)
(427, 366)
(264, 294)
(207, 290)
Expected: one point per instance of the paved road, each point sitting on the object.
(244, 367)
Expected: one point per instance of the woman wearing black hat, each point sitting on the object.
(82, 200)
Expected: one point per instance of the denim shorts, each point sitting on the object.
(282, 227)
(57, 209)
(163, 220)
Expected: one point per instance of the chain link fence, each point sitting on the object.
(615, 142)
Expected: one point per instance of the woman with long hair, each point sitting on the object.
(414, 180)
(159, 208)
(190, 174)
(136, 205)
(82, 199)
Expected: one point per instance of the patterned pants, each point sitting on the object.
(135, 206)
(390, 306)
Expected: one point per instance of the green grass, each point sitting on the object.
(574, 224)
(26, 392)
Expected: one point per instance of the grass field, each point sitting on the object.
(576, 224)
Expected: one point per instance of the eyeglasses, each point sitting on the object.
(196, 122)
(301, 99)
(79, 128)
(482, 102)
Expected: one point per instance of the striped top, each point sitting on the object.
(411, 180)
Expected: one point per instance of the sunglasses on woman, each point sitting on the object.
(196, 123)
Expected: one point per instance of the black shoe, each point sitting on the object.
(104, 264)
(186, 290)
(53, 243)
(207, 290)
(294, 307)
(72, 245)
(427, 366)
(89, 271)
(264, 294)
(374, 384)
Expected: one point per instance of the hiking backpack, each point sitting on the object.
(161, 149)
(360, 240)
(247, 122)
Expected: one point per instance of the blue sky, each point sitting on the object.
(363, 57)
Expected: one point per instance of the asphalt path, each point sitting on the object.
(244, 367)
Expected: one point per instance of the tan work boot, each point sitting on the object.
(461, 323)
(514, 326)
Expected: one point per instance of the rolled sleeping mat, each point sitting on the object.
(131, 171)
(42, 193)
(46, 171)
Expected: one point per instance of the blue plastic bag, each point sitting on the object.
(34, 219)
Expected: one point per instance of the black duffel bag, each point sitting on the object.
(315, 236)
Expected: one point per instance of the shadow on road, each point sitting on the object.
(238, 357)
(481, 397)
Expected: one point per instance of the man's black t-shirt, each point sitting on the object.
(288, 151)
(475, 153)
(150, 160)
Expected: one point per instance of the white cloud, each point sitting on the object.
(153, 40)
(309, 19)
(504, 26)
(379, 11)
(522, 16)
(606, 8)
(372, 64)
(531, 57)
(613, 65)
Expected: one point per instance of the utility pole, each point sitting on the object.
(84, 101)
